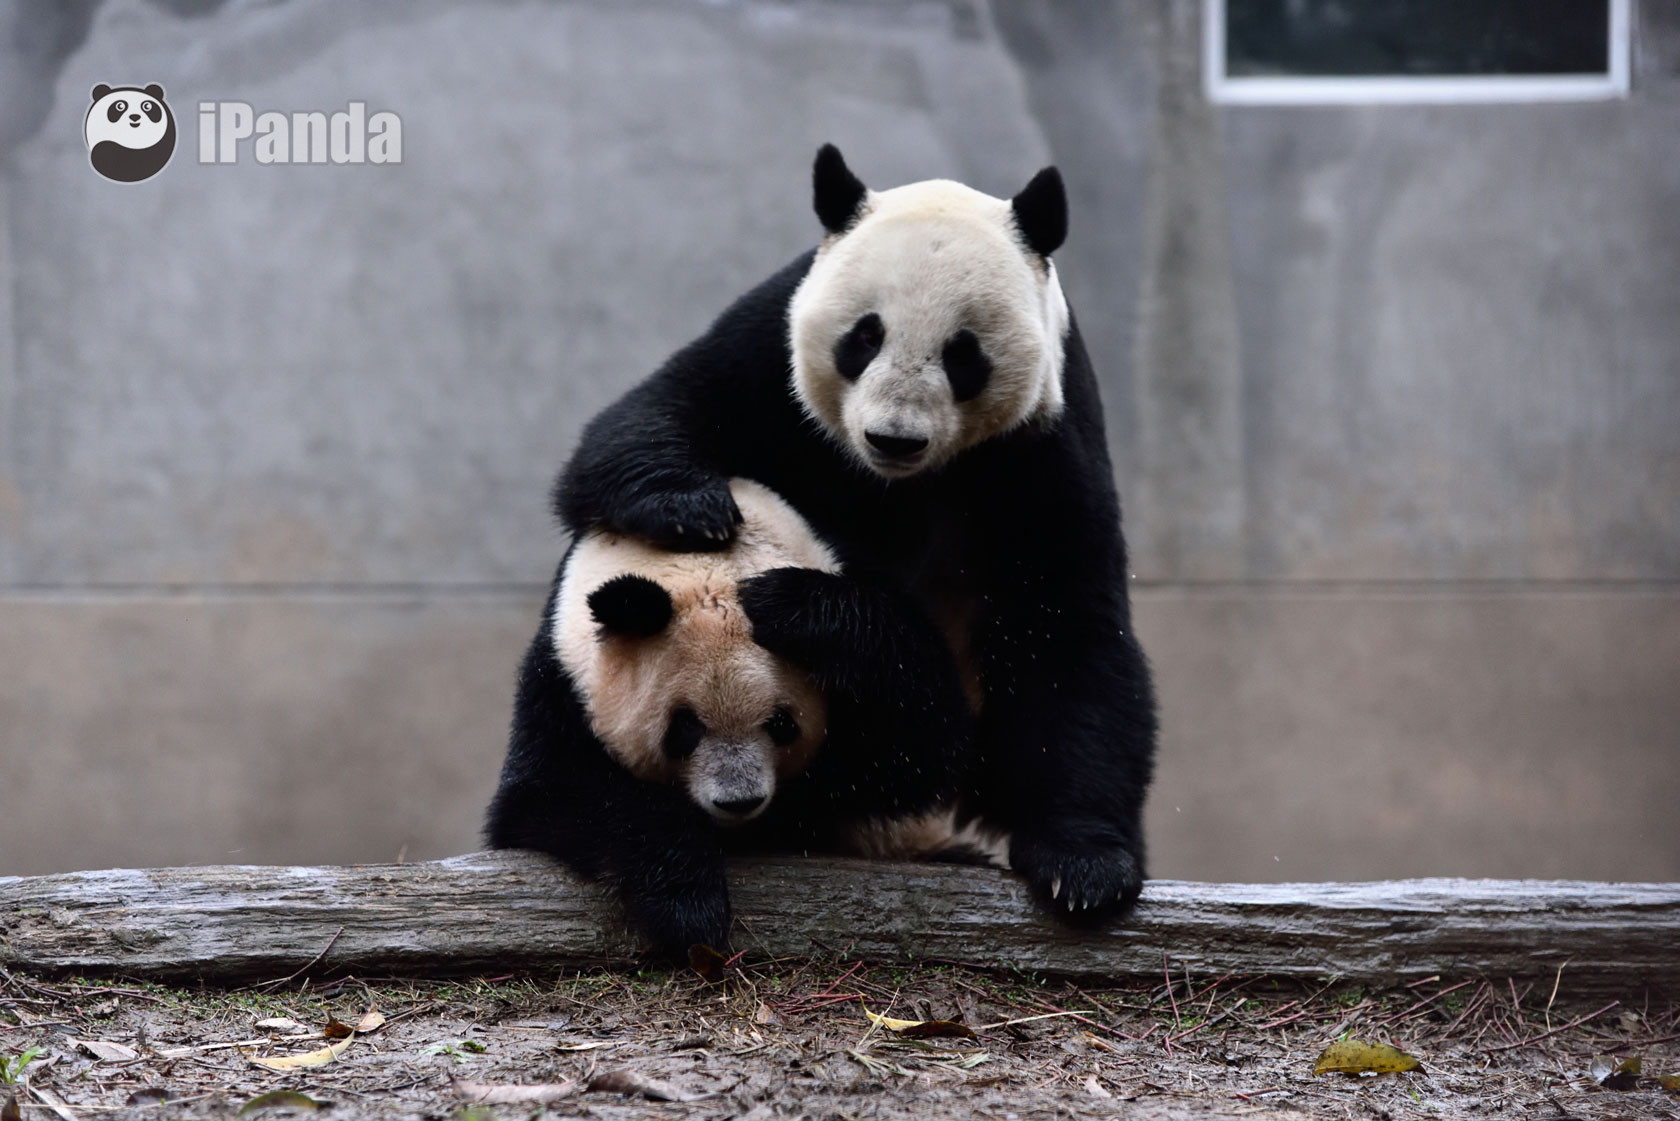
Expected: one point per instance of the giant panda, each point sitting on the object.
(130, 132)
(677, 704)
(917, 388)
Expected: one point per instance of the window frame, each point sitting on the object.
(1400, 89)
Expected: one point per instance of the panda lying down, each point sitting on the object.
(677, 704)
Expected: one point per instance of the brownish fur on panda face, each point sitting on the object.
(685, 696)
(663, 656)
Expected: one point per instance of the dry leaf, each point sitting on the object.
(105, 1050)
(888, 1022)
(1353, 1057)
(372, 1020)
(280, 1023)
(1095, 1088)
(337, 1029)
(279, 1099)
(485, 1093)
(590, 1046)
(764, 1015)
(629, 1083)
(922, 1029)
(53, 1102)
(938, 1029)
(1669, 1081)
(309, 1058)
(707, 962)
(10, 1111)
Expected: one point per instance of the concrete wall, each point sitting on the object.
(1392, 392)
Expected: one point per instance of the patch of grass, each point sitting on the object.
(11, 1066)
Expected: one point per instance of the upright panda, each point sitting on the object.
(675, 704)
(918, 390)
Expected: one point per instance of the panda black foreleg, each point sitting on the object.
(561, 794)
(656, 462)
(1066, 745)
(635, 473)
(900, 730)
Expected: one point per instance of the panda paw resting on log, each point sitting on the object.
(945, 593)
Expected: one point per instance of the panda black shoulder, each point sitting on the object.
(730, 381)
(752, 330)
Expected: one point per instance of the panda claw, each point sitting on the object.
(1055, 887)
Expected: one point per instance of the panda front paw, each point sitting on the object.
(675, 919)
(1083, 880)
(786, 607)
(689, 521)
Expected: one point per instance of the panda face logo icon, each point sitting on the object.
(130, 132)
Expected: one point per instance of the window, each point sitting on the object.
(1300, 52)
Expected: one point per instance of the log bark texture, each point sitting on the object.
(507, 912)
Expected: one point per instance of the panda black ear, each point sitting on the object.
(631, 606)
(837, 193)
(1041, 212)
(100, 91)
(154, 91)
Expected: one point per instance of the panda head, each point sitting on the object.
(130, 132)
(663, 658)
(931, 318)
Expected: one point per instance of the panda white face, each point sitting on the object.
(664, 661)
(929, 321)
(132, 118)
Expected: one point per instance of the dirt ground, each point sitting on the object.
(786, 1039)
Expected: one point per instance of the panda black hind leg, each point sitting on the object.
(562, 795)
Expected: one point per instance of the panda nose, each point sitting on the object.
(899, 447)
(739, 806)
(134, 116)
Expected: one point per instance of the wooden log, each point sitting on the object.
(506, 912)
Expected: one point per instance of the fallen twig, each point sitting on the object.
(1547, 1035)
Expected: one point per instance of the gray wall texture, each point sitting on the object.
(1393, 393)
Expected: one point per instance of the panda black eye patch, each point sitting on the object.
(783, 728)
(966, 365)
(115, 112)
(151, 110)
(683, 734)
(858, 347)
(631, 606)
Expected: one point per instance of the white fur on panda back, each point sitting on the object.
(932, 834)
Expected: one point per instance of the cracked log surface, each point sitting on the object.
(513, 911)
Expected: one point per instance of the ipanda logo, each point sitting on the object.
(349, 136)
(130, 134)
